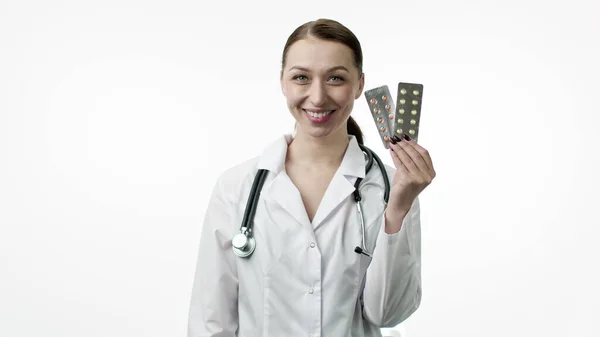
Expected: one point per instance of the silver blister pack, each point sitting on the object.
(408, 112)
(381, 106)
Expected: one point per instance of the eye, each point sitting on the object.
(336, 79)
(300, 78)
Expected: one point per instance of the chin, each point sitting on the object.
(318, 131)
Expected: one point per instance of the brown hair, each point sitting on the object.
(331, 30)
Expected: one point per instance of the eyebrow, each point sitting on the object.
(329, 70)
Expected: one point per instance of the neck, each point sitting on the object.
(322, 151)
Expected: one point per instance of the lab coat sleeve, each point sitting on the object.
(213, 306)
(392, 290)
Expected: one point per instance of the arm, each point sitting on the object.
(213, 305)
(393, 282)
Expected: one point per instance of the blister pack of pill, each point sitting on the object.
(381, 106)
(408, 112)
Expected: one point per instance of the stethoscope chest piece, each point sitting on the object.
(243, 246)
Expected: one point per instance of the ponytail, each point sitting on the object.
(354, 129)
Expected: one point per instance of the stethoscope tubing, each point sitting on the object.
(244, 242)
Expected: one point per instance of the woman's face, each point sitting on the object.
(320, 83)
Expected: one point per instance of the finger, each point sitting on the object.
(415, 156)
(405, 159)
(397, 161)
(424, 155)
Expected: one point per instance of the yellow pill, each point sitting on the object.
(402, 101)
(398, 130)
(414, 112)
(415, 92)
(412, 132)
(403, 91)
(400, 121)
(415, 102)
(413, 122)
(401, 111)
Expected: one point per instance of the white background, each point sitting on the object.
(116, 117)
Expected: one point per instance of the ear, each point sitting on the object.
(361, 86)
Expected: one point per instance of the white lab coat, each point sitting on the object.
(304, 279)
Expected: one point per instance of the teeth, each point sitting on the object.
(318, 115)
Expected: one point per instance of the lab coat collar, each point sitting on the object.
(273, 157)
(283, 191)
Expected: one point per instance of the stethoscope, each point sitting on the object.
(244, 243)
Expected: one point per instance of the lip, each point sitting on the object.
(318, 120)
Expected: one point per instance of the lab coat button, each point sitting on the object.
(312, 245)
(311, 290)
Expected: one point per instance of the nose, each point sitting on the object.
(317, 94)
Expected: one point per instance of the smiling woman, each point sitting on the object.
(315, 42)
(296, 269)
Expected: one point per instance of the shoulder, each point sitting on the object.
(233, 179)
(237, 179)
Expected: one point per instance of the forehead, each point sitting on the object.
(319, 54)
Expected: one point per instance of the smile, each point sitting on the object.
(319, 114)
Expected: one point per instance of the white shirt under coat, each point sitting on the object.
(304, 279)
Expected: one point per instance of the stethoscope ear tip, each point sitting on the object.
(359, 250)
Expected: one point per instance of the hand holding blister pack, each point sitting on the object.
(396, 119)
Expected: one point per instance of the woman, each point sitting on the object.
(304, 277)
